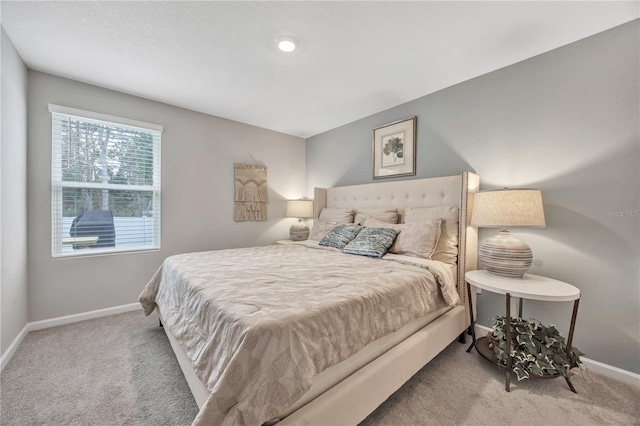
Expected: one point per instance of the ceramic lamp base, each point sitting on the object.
(505, 255)
(299, 231)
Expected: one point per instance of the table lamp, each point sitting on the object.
(302, 209)
(504, 254)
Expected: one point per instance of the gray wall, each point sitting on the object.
(565, 122)
(13, 194)
(198, 152)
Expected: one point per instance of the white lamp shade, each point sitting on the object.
(504, 254)
(299, 208)
(506, 208)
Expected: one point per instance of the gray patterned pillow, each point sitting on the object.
(373, 242)
(341, 236)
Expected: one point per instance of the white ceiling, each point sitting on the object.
(354, 58)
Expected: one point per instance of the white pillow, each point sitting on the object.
(336, 215)
(385, 215)
(418, 214)
(320, 229)
(417, 239)
(447, 247)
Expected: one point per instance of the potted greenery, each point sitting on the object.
(536, 349)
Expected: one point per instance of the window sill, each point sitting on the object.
(89, 252)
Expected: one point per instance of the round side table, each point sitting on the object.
(533, 287)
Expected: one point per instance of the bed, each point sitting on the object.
(320, 344)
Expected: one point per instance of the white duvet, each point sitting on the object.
(259, 323)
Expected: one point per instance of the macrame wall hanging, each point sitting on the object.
(250, 193)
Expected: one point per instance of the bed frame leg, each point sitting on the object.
(462, 338)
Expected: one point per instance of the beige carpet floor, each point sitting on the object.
(116, 370)
(120, 370)
(460, 388)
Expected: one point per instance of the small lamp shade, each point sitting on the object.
(507, 208)
(302, 209)
(504, 208)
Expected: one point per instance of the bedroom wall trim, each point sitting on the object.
(6, 356)
(594, 366)
(68, 319)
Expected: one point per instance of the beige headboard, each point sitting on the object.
(440, 191)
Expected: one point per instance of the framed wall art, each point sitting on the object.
(394, 149)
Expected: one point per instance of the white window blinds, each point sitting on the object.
(105, 183)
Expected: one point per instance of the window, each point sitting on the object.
(105, 184)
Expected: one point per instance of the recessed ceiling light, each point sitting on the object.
(286, 44)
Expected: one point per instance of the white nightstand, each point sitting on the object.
(532, 287)
(284, 242)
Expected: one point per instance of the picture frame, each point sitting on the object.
(394, 149)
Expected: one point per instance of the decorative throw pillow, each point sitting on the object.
(447, 247)
(385, 215)
(373, 242)
(336, 215)
(320, 229)
(340, 236)
(416, 239)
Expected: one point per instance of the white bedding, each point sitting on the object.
(259, 323)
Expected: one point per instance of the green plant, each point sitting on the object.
(535, 349)
(395, 147)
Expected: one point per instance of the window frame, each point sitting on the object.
(57, 183)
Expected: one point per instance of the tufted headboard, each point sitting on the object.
(431, 192)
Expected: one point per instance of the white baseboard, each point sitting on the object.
(6, 356)
(612, 372)
(598, 367)
(53, 322)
